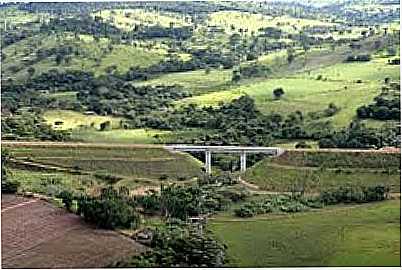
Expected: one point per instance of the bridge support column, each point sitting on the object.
(208, 162)
(242, 161)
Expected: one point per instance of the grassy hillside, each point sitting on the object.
(196, 82)
(363, 235)
(253, 22)
(304, 92)
(126, 19)
(95, 56)
(314, 171)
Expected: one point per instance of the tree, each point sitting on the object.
(290, 55)
(31, 71)
(236, 76)
(278, 92)
(59, 59)
(105, 126)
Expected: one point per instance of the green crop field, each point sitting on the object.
(373, 160)
(361, 235)
(148, 163)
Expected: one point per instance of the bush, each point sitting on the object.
(109, 178)
(302, 145)
(278, 92)
(293, 207)
(67, 199)
(110, 210)
(9, 187)
(179, 246)
(354, 194)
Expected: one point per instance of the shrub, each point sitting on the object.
(179, 246)
(9, 187)
(67, 199)
(109, 178)
(302, 145)
(293, 207)
(278, 92)
(354, 194)
(110, 210)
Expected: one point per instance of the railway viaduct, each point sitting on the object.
(242, 150)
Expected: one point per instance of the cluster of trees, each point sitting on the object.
(240, 123)
(384, 108)
(354, 194)
(182, 202)
(7, 185)
(298, 203)
(253, 70)
(358, 58)
(105, 95)
(85, 24)
(11, 37)
(112, 96)
(359, 136)
(30, 126)
(157, 31)
(178, 245)
(109, 210)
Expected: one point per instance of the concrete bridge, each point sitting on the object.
(242, 150)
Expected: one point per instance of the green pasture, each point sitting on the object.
(127, 18)
(94, 56)
(141, 136)
(253, 22)
(359, 235)
(72, 119)
(196, 82)
(307, 93)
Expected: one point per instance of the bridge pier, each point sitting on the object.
(208, 169)
(242, 150)
(242, 161)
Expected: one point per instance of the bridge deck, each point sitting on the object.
(225, 149)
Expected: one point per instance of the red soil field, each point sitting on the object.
(36, 234)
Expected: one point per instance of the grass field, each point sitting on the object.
(136, 136)
(127, 18)
(361, 235)
(253, 22)
(196, 82)
(53, 182)
(72, 119)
